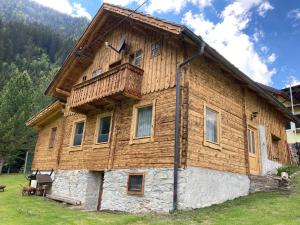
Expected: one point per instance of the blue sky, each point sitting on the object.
(260, 37)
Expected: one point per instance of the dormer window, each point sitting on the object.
(97, 72)
(136, 58)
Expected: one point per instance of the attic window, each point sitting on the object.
(136, 58)
(84, 78)
(115, 64)
(155, 49)
(97, 72)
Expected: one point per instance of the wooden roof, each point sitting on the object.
(46, 114)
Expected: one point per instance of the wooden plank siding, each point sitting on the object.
(45, 158)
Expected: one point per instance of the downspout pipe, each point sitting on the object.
(177, 123)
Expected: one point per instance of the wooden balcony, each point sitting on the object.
(119, 83)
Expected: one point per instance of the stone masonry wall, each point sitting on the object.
(197, 188)
(79, 185)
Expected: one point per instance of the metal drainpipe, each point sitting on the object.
(177, 125)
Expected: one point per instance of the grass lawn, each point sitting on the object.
(258, 209)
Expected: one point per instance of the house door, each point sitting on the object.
(101, 180)
(253, 150)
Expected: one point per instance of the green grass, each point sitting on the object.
(257, 209)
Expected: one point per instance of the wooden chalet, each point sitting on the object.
(110, 135)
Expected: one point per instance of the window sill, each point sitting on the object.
(140, 194)
(141, 140)
(75, 148)
(216, 146)
(101, 145)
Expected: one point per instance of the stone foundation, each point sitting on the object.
(197, 188)
(81, 185)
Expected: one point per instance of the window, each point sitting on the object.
(155, 48)
(104, 129)
(135, 185)
(52, 137)
(97, 72)
(275, 147)
(84, 78)
(144, 122)
(78, 133)
(136, 58)
(212, 126)
(115, 64)
(251, 141)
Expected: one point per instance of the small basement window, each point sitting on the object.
(135, 185)
(78, 133)
(52, 137)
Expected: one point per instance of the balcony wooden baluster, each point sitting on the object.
(119, 83)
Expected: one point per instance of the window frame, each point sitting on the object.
(275, 138)
(77, 147)
(140, 193)
(158, 51)
(133, 58)
(253, 131)
(97, 130)
(214, 145)
(52, 140)
(136, 107)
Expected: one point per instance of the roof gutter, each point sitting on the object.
(177, 122)
(240, 75)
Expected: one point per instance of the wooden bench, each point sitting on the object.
(2, 187)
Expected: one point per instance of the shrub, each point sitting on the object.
(290, 169)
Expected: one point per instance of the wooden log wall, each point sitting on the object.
(45, 158)
(273, 122)
(209, 86)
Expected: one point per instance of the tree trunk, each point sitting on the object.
(1, 164)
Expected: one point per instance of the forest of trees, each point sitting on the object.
(30, 55)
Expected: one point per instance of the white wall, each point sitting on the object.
(267, 166)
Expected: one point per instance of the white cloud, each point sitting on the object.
(292, 81)
(264, 49)
(164, 6)
(64, 6)
(264, 7)
(295, 16)
(229, 38)
(258, 35)
(272, 58)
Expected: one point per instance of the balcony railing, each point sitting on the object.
(119, 83)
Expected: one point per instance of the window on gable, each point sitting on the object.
(84, 78)
(97, 72)
(155, 49)
(251, 141)
(144, 122)
(104, 129)
(212, 125)
(52, 137)
(135, 185)
(78, 133)
(136, 58)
